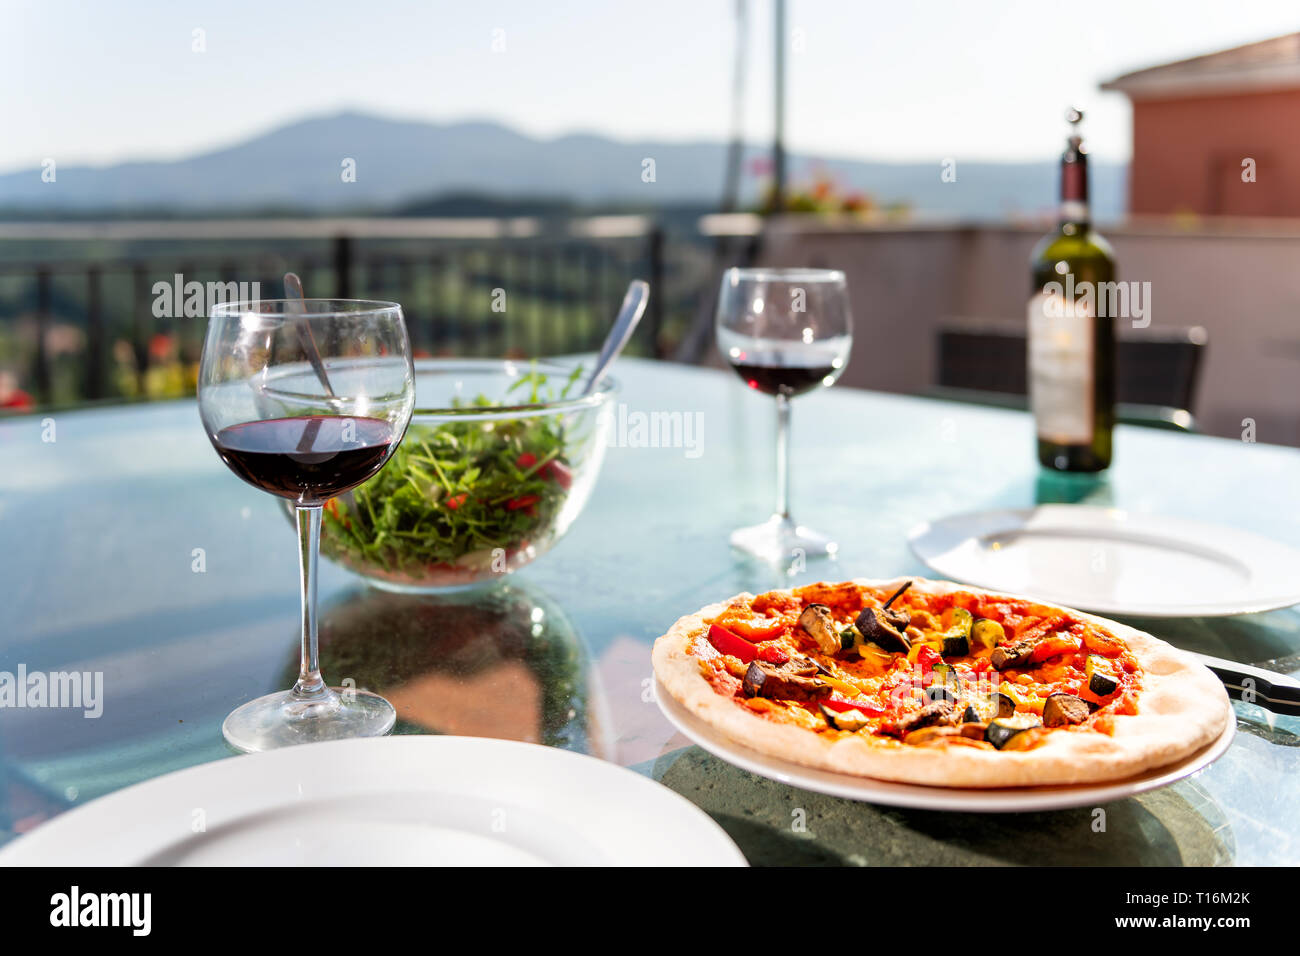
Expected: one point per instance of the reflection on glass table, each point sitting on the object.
(496, 662)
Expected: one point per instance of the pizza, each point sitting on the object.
(930, 682)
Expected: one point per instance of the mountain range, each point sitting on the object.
(301, 166)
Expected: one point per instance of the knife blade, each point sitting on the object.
(1255, 685)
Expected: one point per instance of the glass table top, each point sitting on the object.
(130, 550)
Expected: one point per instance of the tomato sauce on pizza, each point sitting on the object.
(958, 669)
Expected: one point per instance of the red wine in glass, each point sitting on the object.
(785, 332)
(306, 399)
(787, 372)
(310, 458)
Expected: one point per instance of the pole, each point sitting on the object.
(778, 136)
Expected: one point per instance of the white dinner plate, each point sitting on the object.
(918, 796)
(1113, 561)
(410, 800)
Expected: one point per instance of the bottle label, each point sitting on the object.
(1061, 368)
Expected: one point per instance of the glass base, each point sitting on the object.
(283, 720)
(779, 540)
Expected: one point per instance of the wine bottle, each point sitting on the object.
(1071, 339)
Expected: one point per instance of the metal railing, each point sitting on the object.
(79, 315)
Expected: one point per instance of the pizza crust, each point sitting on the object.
(1182, 708)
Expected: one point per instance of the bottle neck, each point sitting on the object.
(1074, 189)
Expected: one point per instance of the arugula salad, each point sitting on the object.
(458, 499)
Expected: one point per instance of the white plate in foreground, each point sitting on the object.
(972, 800)
(404, 801)
(1112, 561)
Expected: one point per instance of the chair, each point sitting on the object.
(1156, 371)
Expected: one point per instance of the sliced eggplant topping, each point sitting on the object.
(972, 729)
(1102, 679)
(875, 628)
(844, 719)
(1011, 655)
(898, 618)
(802, 666)
(1061, 710)
(897, 594)
(817, 621)
(1001, 730)
(784, 683)
(941, 712)
(1006, 705)
(986, 633)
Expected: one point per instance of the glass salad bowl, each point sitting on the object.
(497, 463)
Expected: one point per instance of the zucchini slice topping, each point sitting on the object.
(850, 638)
(850, 720)
(983, 708)
(986, 633)
(1102, 679)
(941, 691)
(1001, 729)
(956, 636)
(956, 645)
(944, 684)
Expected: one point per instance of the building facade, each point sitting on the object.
(1217, 135)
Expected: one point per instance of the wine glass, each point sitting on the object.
(785, 332)
(306, 399)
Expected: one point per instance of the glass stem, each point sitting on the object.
(783, 457)
(310, 686)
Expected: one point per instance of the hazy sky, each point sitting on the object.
(970, 79)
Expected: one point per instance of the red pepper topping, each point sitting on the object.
(729, 643)
(927, 657)
(1053, 645)
(524, 501)
(868, 707)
